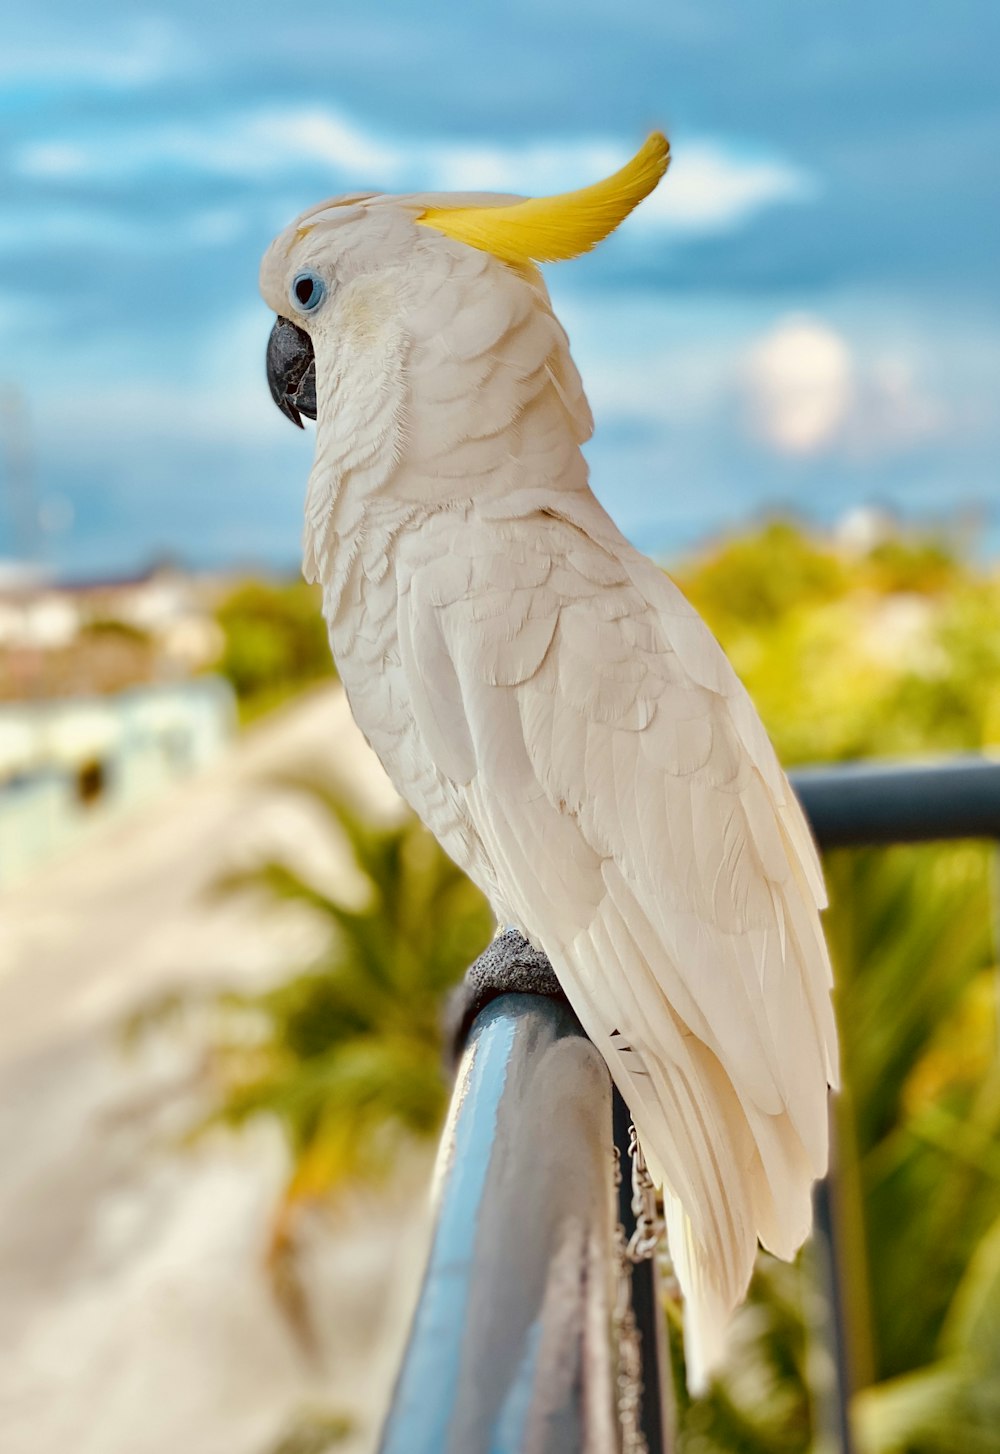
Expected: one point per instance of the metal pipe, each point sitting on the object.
(856, 803)
(833, 1397)
(509, 1348)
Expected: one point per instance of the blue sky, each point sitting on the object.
(805, 316)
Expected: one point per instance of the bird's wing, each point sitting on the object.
(641, 831)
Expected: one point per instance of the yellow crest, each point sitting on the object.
(552, 229)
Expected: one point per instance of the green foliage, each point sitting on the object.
(911, 937)
(763, 1405)
(348, 1054)
(953, 1406)
(890, 652)
(275, 642)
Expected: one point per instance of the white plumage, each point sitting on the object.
(555, 711)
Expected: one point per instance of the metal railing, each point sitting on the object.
(858, 804)
(511, 1348)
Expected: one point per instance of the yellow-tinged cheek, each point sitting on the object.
(364, 313)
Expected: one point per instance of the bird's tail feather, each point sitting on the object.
(707, 1312)
(730, 1173)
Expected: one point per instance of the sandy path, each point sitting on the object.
(135, 1316)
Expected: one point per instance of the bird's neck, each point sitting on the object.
(411, 424)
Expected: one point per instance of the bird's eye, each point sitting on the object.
(307, 292)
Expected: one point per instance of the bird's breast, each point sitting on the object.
(364, 636)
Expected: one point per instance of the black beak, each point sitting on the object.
(291, 371)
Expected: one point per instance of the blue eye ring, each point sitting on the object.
(307, 292)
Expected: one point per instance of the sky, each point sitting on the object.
(805, 317)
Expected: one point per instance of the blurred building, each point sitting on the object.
(99, 707)
(60, 638)
(68, 765)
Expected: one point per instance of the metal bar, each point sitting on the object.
(867, 804)
(509, 1348)
(656, 1408)
(835, 1396)
(857, 803)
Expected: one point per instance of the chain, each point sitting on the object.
(641, 1246)
(649, 1227)
(629, 1378)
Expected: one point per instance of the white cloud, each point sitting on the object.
(808, 392)
(800, 386)
(531, 168)
(711, 186)
(325, 136)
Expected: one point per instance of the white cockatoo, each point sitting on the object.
(550, 705)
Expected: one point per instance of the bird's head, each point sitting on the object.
(357, 281)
